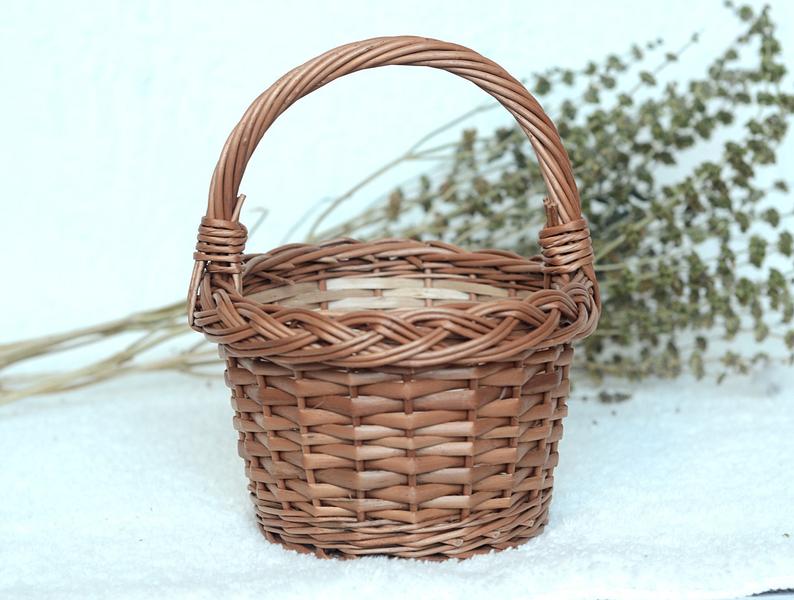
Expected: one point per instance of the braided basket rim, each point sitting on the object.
(544, 317)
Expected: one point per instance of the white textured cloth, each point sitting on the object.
(133, 489)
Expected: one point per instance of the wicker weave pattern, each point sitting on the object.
(443, 462)
(396, 397)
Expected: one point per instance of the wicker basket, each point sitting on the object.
(396, 397)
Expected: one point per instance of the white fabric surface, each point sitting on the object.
(133, 489)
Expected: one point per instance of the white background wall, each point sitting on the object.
(113, 113)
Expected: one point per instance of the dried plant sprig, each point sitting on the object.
(687, 251)
(149, 330)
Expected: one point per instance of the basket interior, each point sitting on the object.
(390, 283)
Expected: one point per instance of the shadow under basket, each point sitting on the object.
(396, 397)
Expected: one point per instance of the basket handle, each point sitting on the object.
(565, 240)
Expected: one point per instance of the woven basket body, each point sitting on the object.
(396, 397)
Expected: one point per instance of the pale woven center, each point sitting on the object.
(346, 294)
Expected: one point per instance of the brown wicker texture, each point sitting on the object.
(396, 397)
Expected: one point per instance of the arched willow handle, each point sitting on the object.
(404, 50)
(565, 240)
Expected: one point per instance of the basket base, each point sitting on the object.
(478, 534)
